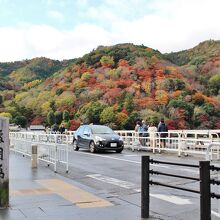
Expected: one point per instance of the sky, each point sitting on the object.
(67, 29)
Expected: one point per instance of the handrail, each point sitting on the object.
(209, 147)
(204, 179)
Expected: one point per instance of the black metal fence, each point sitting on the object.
(204, 179)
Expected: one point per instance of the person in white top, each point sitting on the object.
(152, 129)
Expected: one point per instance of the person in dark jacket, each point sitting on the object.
(55, 128)
(162, 128)
(62, 129)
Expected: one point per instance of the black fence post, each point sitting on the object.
(205, 191)
(145, 195)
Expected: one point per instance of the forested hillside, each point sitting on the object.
(116, 85)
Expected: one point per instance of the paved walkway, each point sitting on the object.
(41, 194)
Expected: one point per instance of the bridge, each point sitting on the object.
(113, 180)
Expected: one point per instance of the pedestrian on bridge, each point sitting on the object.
(162, 128)
(152, 130)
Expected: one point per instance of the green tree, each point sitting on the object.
(1, 99)
(94, 111)
(6, 115)
(50, 118)
(53, 105)
(209, 108)
(129, 103)
(21, 120)
(66, 115)
(214, 84)
(108, 115)
(59, 91)
(107, 60)
(58, 117)
(129, 123)
(90, 113)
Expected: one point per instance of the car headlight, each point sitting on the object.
(120, 138)
(97, 138)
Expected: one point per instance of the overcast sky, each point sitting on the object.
(66, 29)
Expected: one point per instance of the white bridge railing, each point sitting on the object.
(181, 141)
(54, 148)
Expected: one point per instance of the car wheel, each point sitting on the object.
(75, 147)
(92, 147)
(119, 151)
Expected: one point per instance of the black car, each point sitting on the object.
(97, 138)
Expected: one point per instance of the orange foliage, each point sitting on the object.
(122, 83)
(144, 73)
(145, 102)
(162, 99)
(159, 73)
(38, 120)
(175, 94)
(112, 94)
(211, 100)
(198, 97)
(115, 107)
(120, 117)
(123, 63)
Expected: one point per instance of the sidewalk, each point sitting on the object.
(41, 194)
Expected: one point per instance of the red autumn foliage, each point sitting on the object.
(217, 124)
(92, 81)
(144, 73)
(145, 102)
(171, 125)
(125, 111)
(204, 118)
(112, 94)
(74, 125)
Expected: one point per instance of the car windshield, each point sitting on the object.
(102, 130)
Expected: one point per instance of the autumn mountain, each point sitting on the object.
(116, 85)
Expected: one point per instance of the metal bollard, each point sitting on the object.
(145, 193)
(34, 156)
(205, 190)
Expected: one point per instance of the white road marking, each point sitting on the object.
(138, 162)
(128, 185)
(173, 199)
(215, 214)
(109, 157)
(113, 181)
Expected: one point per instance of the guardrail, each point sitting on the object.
(183, 141)
(52, 148)
(212, 150)
(204, 179)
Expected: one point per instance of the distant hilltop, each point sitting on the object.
(116, 85)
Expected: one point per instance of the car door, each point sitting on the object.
(79, 136)
(86, 137)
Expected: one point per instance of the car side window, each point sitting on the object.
(81, 130)
(87, 131)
